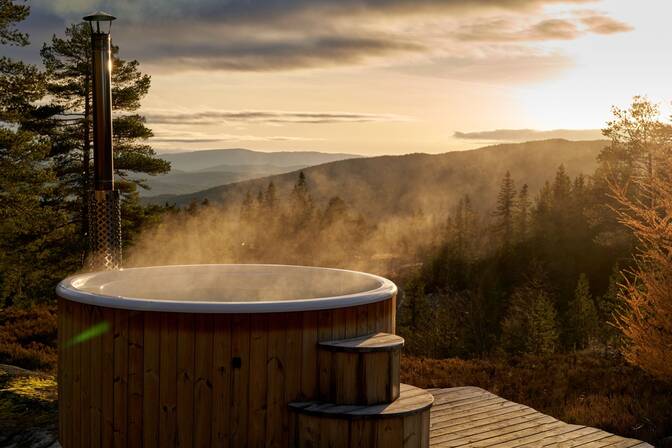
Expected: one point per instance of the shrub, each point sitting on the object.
(28, 337)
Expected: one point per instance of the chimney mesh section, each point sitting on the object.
(104, 230)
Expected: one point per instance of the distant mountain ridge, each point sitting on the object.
(198, 170)
(203, 159)
(392, 185)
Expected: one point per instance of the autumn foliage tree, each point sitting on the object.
(645, 207)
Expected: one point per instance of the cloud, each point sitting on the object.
(237, 11)
(282, 35)
(508, 30)
(269, 117)
(513, 29)
(172, 136)
(600, 24)
(518, 135)
(254, 54)
(497, 64)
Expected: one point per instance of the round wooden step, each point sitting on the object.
(401, 424)
(376, 342)
(360, 371)
(411, 400)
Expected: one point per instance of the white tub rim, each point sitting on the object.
(68, 289)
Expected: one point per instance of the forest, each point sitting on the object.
(558, 298)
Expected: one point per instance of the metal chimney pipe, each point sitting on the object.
(103, 174)
(104, 201)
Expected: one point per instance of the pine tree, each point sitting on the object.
(608, 307)
(582, 319)
(530, 323)
(12, 13)
(505, 209)
(522, 215)
(32, 230)
(301, 208)
(269, 196)
(66, 121)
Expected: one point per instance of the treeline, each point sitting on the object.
(46, 157)
(277, 227)
(534, 276)
(583, 265)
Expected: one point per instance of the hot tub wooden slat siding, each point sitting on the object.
(120, 377)
(157, 379)
(309, 356)
(185, 379)
(135, 378)
(259, 383)
(168, 380)
(107, 381)
(221, 380)
(276, 358)
(240, 350)
(202, 417)
(150, 386)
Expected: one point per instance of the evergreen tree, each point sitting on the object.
(608, 307)
(522, 215)
(32, 229)
(246, 208)
(269, 196)
(66, 120)
(301, 208)
(505, 209)
(12, 13)
(582, 319)
(530, 324)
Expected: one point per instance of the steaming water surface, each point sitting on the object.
(227, 283)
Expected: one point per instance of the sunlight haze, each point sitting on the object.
(384, 79)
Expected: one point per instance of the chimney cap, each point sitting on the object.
(99, 16)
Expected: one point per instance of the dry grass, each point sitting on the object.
(582, 388)
(28, 337)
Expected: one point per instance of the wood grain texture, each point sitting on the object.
(120, 389)
(151, 374)
(135, 378)
(107, 379)
(473, 417)
(221, 380)
(362, 370)
(203, 381)
(168, 381)
(157, 379)
(185, 380)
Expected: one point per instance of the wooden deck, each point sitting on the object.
(473, 417)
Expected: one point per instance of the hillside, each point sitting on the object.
(177, 182)
(199, 170)
(390, 185)
(215, 158)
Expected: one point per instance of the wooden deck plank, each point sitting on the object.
(486, 431)
(512, 417)
(535, 436)
(473, 417)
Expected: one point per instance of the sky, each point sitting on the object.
(380, 76)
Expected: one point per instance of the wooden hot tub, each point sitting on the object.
(204, 355)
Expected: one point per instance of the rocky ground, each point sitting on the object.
(28, 409)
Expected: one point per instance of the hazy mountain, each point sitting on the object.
(199, 170)
(387, 185)
(178, 182)
(207, 159)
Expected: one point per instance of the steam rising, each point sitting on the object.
(228, 283)
(336, 236)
